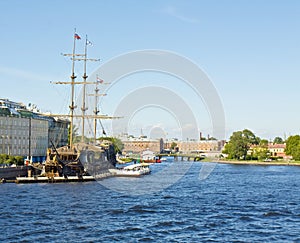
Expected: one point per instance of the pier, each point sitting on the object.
(59, 179)
(55, 179)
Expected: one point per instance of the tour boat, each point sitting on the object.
(149, 156)
(132, 170)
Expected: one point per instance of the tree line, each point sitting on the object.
(245, 145)
(10, 159)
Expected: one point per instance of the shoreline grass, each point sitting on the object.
(253, 162)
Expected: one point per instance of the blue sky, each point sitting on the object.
(249, 49)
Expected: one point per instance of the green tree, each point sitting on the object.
(3, 158)
(278, 140)
(74, 134)
(261, 153)
(11, 160)
(173, 145)
(239, 144)
(293, 147)
(118, 145)
(250, 137)
(19, 160)
(263, 143)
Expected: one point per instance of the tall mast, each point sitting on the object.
(96, 110)
(73, 77)
(84, 108)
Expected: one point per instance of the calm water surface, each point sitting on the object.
(234, 204)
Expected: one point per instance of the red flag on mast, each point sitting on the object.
(99, 80)
(77, 37)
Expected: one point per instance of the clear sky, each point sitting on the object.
(249, 49)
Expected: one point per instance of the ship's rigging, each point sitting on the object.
(80, 158)
(83, 116)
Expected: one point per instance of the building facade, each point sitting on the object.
(201, 146)
(28, 133)
(23, 136)
(138, 145)
(278, 150)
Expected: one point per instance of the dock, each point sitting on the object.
(60, 179)
(55, 179)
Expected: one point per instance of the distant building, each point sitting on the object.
(203, 146)
(274, 150)
(278, 150)
(24, 132)
(138, 145)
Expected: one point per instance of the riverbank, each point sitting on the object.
(253, 162)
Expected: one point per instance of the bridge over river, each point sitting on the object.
(177, 157)
(183, 157)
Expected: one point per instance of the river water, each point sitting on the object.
(233, 204)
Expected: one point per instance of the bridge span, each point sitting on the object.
(183, 157)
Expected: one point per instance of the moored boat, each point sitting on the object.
(149, 156)
(81, 160)
(123, 159)
(132, 170)
(78, 160)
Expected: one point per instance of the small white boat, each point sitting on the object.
(148, 156)
(132, 170)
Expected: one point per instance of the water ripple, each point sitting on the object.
(234, 204)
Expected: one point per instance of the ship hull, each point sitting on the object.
(82, 160)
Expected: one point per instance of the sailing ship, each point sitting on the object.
(80, 159)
